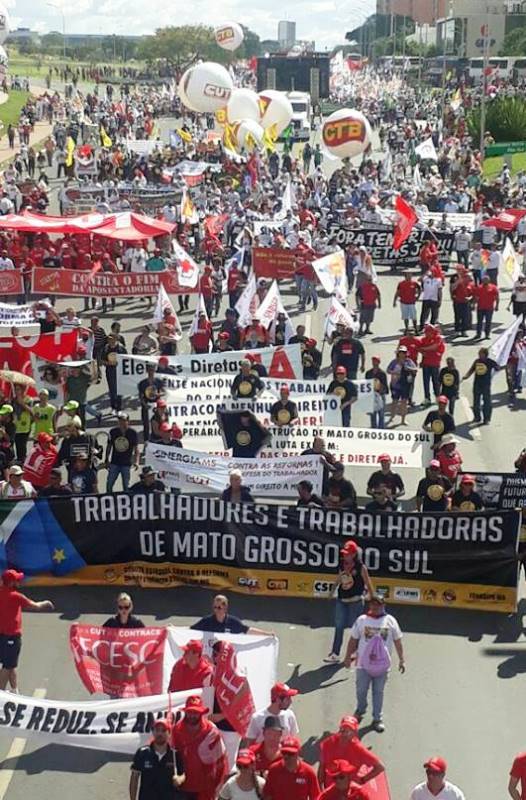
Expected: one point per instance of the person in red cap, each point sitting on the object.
(380, 392)
(352, 584)
(284, 412)
(223, 343)
(466, 498)
(280, 701)
(202, 337)
(344, 785)
(192, 671)
(246, 784)
(346, 391)
(202, 749)
(40, 461)
(157, 770)
(461, 290)
(311, 360)
(346, 744)
(12, 603)
(385, 477)
(440, 422)
(432, 348)
(291, 778)
(435, 785)
(268, 751)
(432, 493)
(407, 292)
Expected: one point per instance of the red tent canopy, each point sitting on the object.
(132, 227)
(507, 220)
(125, 225)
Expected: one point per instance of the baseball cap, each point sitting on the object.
(448, 439)
(284, 389)
(290, 744)
(194, 644)
(195, 704)
(467, 479)
(442, 399)
(341, 371)
(436, 764)
(165, 426)
(224, 335)
(11, 576)
(162, 723)
(148, 471)
(6, 409)
(377, 358)
(71, 405)
(43, 391)
(384, 457)
(161, 403)
(16, 470)
(245, 758)
(341, 767)
(282, 690)
(44, 437)
(402, 349)
(311, 342)
(176, 432)
(349, 548)
(349, 722)
(122, 415)
(245, 362)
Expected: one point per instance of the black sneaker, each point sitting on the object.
(358, 716)
(378, 725)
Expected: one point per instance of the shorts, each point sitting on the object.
(10, 647)
(400, 392)
(367, 314)
(408, 311)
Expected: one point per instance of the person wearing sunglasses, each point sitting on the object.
(220, 621)
(435, 784)
(124, 617)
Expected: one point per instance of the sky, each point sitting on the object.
(325, 21)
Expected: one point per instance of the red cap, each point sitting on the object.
(245, 758)
(341, 767)
(311, 342)
(195, 704)
(164, 361)
(350, 548)
(467, 479)
(384, 457)
(195, 645)
(176, 432)
(282, 690)
(11, 576)
(341, 371)
(165, 426)
(250, 357)
(224, 335)
(81, 350)
(284, 389)
(161, 403)
(44, 437)
(376, 358)
(349, 722)
(290, 744)
(442, 399)
(162, 723)
(436, 764)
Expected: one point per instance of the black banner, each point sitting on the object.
(502, 490)
(379, 244)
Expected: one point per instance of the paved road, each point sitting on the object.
(459, 694)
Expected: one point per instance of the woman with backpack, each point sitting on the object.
(352, 583)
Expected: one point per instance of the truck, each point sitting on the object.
(300, 126)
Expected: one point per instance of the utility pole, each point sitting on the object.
(486, 40)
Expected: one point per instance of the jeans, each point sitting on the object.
(21, 446)
(484, 317)
(461, 311)
(114, 470)
(430, 375)
(307, 292)
(346, 417)
(463, 257)
(378, 416)
(345, 615)
(429, 307)
(111, 377)
(482, 398)
(363, 681)
(451, 405)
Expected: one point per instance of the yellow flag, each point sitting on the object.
(70, 149)
(220, 116)
(250, 142)
(229, 137)
(104, 138)
(269, 140)
(185, 136)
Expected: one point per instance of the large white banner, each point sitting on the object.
(11, 314)
(196, 472)
(283, 363)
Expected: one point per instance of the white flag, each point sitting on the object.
(427, 150)
(501, 348)
(338, 314)
(248, 303)
(387, 166)
(418, 183)
(201, 309)
(271, 306)
(187, 269)
(509, 262)
(163, 301)
(331, 272)
(286, 201)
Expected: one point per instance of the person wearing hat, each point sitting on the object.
(148, 482)
(345, 744)
(15, 488)
(376, 622)
(70, 409)
(462, 290)
(346, 391)
(255, 335)
(54, 486)
(280, 708)
(44, 415)
(352, 585)
(348, 352)
(40, 461)
(235, 282)
(311, 359)
(81, 476)
(483, 369)
(192, 670)
(150, 391)
(246, 784)
(432, 347)
(280, 329)
(202, 749)
(7, 432)
(291, 777)
(201, 334)
(449, 378)
(439, 422)
(222, 344)
(466, 498)
(380, 392)
(340, 492)
(246, 385)
(122, 452)
(435, 787)
(157, 770)
(230, 326)
(268, 751)
(144, 343)
(486, 297)
(284, 412)
(109, 354)
(407, 293)
(206, 289)
(12, 603)
(343, 776)
(449, 457)
(433, 490)
(402, 371)
(159, 417)
(385, 477)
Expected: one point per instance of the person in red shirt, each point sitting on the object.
(368, 299)
(449, 457)
(344, 787)
(345, 744)
(255, 334)
(192, 671)
(206, 289)
(407, 292)
(235, 280)
(12, 603)
(291, 778)
(40, 461)
(432, 347)
(428, 255)
(518, 773)
(268, 751)
(461, 291)
(203, 335)
(487, 301)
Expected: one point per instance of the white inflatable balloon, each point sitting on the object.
(5, 24)
(275, 108)
(206, 87)
(4, 58)
(243, 104)
(229, 36)
(346, 133)
(249, 134)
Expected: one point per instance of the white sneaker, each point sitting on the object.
(332, 658)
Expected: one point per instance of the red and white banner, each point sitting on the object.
(232, 689)
(11, 282)
(80, 283)
(15, 351)
(274, 262)
(121, 662)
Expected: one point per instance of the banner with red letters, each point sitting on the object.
(84, 283)
(121, 662)
(11, 282)
(232, 689)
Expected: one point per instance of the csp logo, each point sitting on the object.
(277, 584)
(323, 587)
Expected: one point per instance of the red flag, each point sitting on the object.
(407, 218)
(232, 689)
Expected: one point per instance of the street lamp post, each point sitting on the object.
(484, 88)
(61, 9)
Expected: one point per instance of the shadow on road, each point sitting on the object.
(54, 758)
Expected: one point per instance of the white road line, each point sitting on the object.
(469, 416)
(15, 751)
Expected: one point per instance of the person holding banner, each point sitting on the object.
(346, 391)
(157, 770)
(284, 412)
(346, 744)
(466, 498)
(220, 621)
(246, 385)
(124, 617)
(235, 491)
(192, 671)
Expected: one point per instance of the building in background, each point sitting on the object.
(423, 12)
(286, 34)
(21, 35)
(471, 26)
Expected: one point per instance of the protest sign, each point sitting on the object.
(274, 262)
(504, 490)
(11, 282)
(458, 560)
(18, 316)
(16, 351)
(379, 244)
(192, 471)
(121, 662)
(87, 283)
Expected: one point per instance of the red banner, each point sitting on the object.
(273, 262)
(232, 689)
(121, 662)
(80, 283)
(15, 352)
(11, 282)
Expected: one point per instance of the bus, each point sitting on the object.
(504, 67)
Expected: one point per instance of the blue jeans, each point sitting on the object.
(430, 375)
(307, 290)
(363, 681)
(378, 417)
(345, 615)
(346, 416)
(114, 470)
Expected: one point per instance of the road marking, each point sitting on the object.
(15, 751)
(467, 411)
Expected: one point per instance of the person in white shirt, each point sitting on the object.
(492, 267)
(436, 787)
(280, 700)
(462, 244)
(431, 298)
(137, 258)
(488, 234)
(376, 622)
(15, 488)
(475, 262)
(5, 262)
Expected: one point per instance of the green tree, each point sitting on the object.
(514, 43)
(505, 120)
(182, 45)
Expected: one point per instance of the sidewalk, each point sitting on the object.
(41, 132)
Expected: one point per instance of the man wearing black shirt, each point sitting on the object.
(150, 390)
(386, 478)
(466, 498)
(432, 491)
(220, 621)
(318, 449)
(340, 492)
(299, 337)
(109, 359)
(284, 412)
(148, 483)
(122, 452)
(246, 384)
(348, 352)
(55, 487)
(450, 383)
(231, 327)
(306, 497)
(346, 391)
(380, 389)
(381, 501)
(439, 422)
(483, 367)
(311, 360)
(157, 767)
